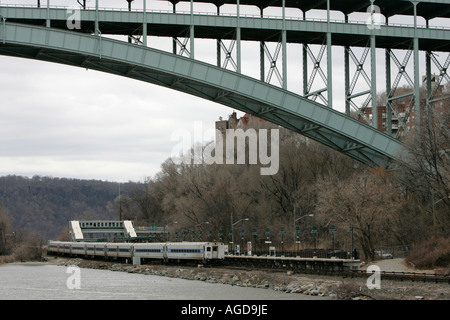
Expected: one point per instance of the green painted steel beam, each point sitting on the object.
(221, 27)
(429, 8)
(313, 120)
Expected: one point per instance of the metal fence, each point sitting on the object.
(310, 253)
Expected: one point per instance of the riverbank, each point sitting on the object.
(338, 288)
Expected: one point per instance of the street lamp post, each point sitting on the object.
(315, 231)
(296, 232)
(199, 224)
(166, 229)
(332, 231)
(268, 241)
(434, 211)
(242, 241)
(255, 234)
(232, 233)
(351, 230)
(297, 239)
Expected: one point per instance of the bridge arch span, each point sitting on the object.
(287, 109)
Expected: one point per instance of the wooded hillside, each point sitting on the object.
(46, 205)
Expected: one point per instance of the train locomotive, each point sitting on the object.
(202, 252)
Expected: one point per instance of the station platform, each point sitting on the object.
(294, 263)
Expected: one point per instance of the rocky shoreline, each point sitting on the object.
(328, 287)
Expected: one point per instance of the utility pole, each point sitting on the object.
(120, 206)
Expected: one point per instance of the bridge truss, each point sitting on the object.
(42, 32)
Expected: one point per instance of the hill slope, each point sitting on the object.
(46, 205)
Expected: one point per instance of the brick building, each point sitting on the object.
(405, 115)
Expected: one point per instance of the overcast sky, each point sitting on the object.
(62, 121)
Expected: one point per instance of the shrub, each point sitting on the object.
(25, 252)
(430, 254)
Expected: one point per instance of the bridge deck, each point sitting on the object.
(426, 8)
(115, 22)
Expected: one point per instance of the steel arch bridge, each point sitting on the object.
(51, 34)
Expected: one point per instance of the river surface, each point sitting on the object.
(49, 282)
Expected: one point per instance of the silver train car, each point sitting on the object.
(203, 252)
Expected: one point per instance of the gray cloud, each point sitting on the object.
(70, 122)
(64, 121)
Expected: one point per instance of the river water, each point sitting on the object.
(50, 282)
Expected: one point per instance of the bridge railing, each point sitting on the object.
(228, 14)
(309, 253)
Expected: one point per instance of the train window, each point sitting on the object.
(208, 249)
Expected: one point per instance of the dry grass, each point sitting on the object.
(7, 259)
(431, 254)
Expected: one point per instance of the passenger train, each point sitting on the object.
(204, 252)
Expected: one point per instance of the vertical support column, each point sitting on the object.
(305, 64)
(191, 32)
(428, 78)
(262, 67)
(388, 92)
(174, 40)
(373, 89)
(96, 26)
(144, 24)
(388, 88)
(97, 30)
(284, 46)
(305, 69)
(373, 68)
(238, 38)
(219, 52)
(347, 79)
(47, 22)
(416, 71)
(329, 60)
(3, 28)
(428, 86)
(347, 75)
(130, 36)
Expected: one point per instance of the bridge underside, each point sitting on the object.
(224, 28)
(428, 10)
(228, 33)
(311, 119)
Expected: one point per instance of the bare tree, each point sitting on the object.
(364, 201)
(425, 167)
(5, 230)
